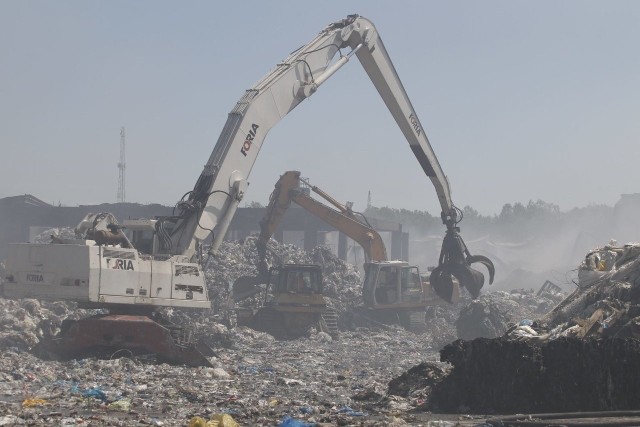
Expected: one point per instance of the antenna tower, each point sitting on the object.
(121, 168)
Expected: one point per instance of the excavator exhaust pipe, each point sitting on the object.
(456, 261)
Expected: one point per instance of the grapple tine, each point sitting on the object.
(442, 284)
(456, 261)
(469, 278)
(484, 261)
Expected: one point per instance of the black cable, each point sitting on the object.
(209, 194)
(219, 191)
(308, 66)
(459, 211)
(316, 50)
(173, 212)
(363, 217)
(324, 47)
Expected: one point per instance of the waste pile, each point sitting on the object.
(24, 322)
(256, 380)
(366, 376)
(583, 355)
(566, 374)
(342, 281)
(56, 232)
(491, 315)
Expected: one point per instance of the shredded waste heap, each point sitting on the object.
(583, 355)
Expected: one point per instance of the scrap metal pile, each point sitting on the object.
(583, 355)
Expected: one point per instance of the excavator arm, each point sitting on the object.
(288, 189)
(210, 206)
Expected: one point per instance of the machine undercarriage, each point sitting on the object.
(117, 335)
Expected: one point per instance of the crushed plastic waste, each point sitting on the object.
(348, 411)
(95, 393)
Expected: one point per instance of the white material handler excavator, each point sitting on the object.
(162, 264)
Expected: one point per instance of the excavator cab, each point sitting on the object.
(395, 285)
(293, 301)
(301, 281)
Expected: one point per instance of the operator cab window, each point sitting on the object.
(142, 240)
(303, 282)
(411, 285)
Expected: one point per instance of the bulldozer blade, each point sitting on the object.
(245, 287)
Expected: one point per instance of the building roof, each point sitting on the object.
(26, 199)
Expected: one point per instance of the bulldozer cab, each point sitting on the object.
(392, 284)
(294, 279)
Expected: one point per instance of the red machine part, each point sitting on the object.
(114, 335)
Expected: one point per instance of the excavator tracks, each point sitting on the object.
(329, 322)
(416, 322)
(114, 335)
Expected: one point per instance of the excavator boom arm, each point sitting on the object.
(288, 190)
(210, 206)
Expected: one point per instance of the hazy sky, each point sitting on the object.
(521, 100)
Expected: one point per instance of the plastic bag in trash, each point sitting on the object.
(287, 421)
(348, 411)
(95, 393)
(525, 322)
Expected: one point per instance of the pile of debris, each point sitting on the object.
(256, 380)
(567, 374)
(491, 315)
(342, 281)
(61, 233)
(583, 355)
(605, 304)
(24, 322)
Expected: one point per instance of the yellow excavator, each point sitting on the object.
(393, 291)
(292, 301)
